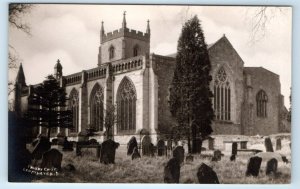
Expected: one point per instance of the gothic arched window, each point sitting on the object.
(74, 107)
(261, 103)
(96, 108)
(111, 52)
(126, 103)
(136, 50)
(222, 93)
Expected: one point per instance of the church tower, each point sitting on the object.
(123, 43)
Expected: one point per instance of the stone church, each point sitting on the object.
(247, 100)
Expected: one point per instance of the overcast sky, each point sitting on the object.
(71, 33)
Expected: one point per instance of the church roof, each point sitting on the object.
(258, 69)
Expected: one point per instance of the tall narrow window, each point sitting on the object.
(96, 108)
(136, 50)
(261, 103)
(111, 52)
(74, 107)
(222, 96)
(126, 103)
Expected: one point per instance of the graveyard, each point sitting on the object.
(176, 165)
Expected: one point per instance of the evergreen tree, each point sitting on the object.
(47, 104)
(190, 95)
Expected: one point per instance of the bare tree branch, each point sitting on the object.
(260, 20)
(16, 12)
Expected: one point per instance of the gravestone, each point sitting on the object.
(83, 137)
(135, 154)
(52, 159)
(93, 141)
(189, 158)
(169, 147)
(217, 156)
(41, 146)
(108, 151)
(278, 144)
(232, 157)
(206, 175)
(67, 146)
(60, 138)
(54, 141)
(152, 149)
(253, 166)
(271, 166)
(161, 148)
(172, 171)
(131, 145)
(178, 153)
(146, 146)
(234, 148)
(268, 145)
(70, 168)
(211, 142)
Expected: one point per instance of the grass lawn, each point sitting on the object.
(150, 170)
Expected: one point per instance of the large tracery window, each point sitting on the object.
(261, 103)
(126, 103)
(74, 107)
(96, 108)
(222, 93)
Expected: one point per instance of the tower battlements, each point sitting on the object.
(125, 32)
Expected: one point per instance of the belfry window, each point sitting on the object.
(111, 52)
(136, 50)
(74, 107)
(96, 108)
(261, 103)
(222, 96)
(126, 105)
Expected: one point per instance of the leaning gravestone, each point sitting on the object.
(52, 159)
(172, 171)
(146, 146)
(268, 145)
(161, 148)
(217, 155)
(108, 151)
(41, 146)
(178, 153)
(67, 146)
(271, 166)
(206, 175)
(278, 144)
(232, 157)
(135, 154)
(253, 166)
(234, 148)
(131, 145)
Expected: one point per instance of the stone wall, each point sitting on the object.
(163, 68)
(222, 54)
(262, 79)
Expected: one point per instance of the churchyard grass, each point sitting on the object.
(150, 170)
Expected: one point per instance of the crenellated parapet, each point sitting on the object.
(125, 32)
(73, 79)
(96, 73)
(129, 64)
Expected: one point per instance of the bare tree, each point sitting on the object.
(15, 19)
(260, 18)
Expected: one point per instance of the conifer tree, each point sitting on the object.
(47, 104)
(190, 95)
